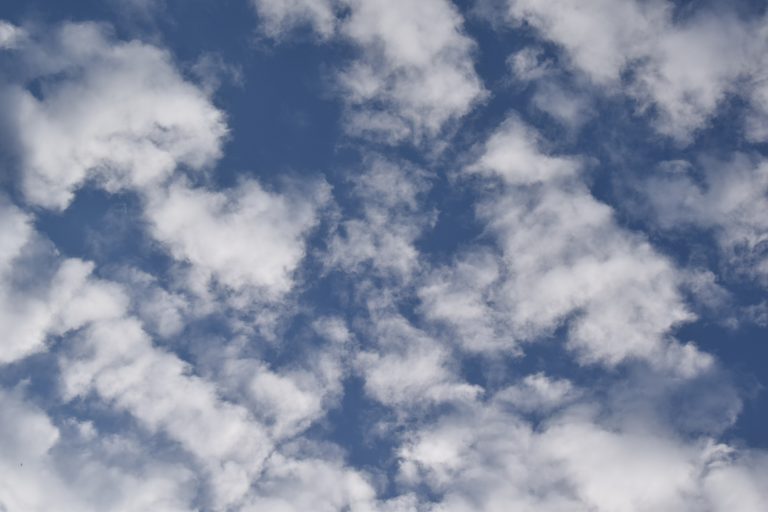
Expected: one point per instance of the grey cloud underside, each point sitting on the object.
(166, 392)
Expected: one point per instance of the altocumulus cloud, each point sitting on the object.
(383, 256)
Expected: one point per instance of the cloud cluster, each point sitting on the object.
(413, 74)
(382, 236)
(564, 262)
(488, 458)
(727, 198)
(124, 118)
(115, 114)
(120, 116)
(33, 304)
(243, 237)
(680, 67)
(276, 324)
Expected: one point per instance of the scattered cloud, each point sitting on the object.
(413, 74)
(121, 117)
(241, 238)
(681, 68)
(728, 198)
(449, 310)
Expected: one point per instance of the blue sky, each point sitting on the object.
(379, 255)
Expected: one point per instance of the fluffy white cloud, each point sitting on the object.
(756, 118)
(112, 356)
(243, 237)
(567, 261)
(564, 262)
(405, 368)
(120, 115)
(530, 64)
(116, 360)
(280, 16)
(601, 36)
(538, 393)
(391, 218)
(418, 374)
(115, 113)
(35, 304)
(42, 469)
(729, 198)
(332, 329)
(235, 421)
(487, 458)
(461, 296)
(516, 152)
(163, 312)
(569, 104)
(15, 233)
(135, 122)
(321, 483)
(414, 72)
(684, 68)
(289, 399)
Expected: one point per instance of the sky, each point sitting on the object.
(383, 256)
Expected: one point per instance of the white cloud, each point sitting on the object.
(212, 70)
(566, 262)
(10, 35)
(15, 233)
(486, 458)
(738, 486)
(35, 304)
(117, 361)
(622, 472)
(111, 357)
(114, 113)
(322, 484)
(277, 17)
(407, 368)
(683, 68)
(570, 108)
(289, 402)
(726, 197)
(391, 219)
(163, 312)
(289, 399)
(538, 393)
(227, 427)
(566, 100)
(120, 115)
(414, 72)
(40, 470)
(461, 296)
(601, 36)
(333, 329)
(243, 238)
(756, 121)
(529, 64)
(513, 152)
